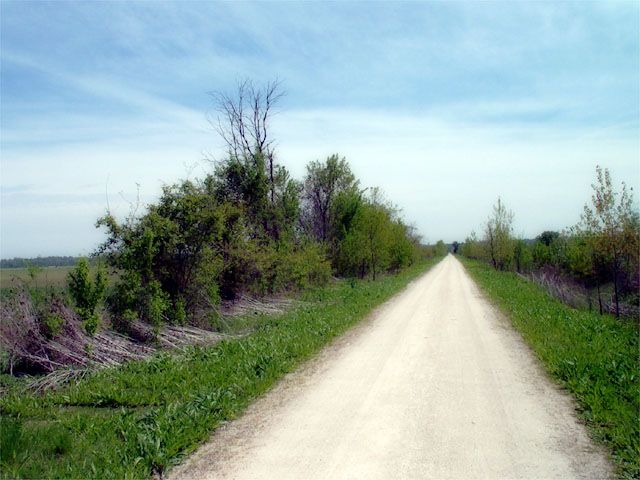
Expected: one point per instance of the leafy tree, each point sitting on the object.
(611, 230)
(498, 236)
(521, 255)
(375, 223)
(323, 183)
(440, 249)
(471, 247)
(368, 240)
(547, 237)
(403, 245)
(271, 211)
(585, 266)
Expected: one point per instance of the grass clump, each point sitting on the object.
(138, 419)
(594, 356)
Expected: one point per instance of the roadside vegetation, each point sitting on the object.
(245, 231)
(574, 296)
(593, 356)
(137, 355)
(138, 419)
(594, 264)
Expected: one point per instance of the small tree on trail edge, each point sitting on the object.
(87, 294)
(498, 235)
(611, 230)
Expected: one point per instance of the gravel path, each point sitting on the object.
(435, 384)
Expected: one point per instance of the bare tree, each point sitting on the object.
(243, 122)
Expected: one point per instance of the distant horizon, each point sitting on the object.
(445, 106)
(19, 257)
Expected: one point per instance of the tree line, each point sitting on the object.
(51, 261)
(601, 252)
(247, 227)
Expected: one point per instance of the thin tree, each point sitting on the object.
(611, 229)
(243, 122)
(498, 235)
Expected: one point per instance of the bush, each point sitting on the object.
(287, 266)
(168, 256)
(51, 325)
(87, 294)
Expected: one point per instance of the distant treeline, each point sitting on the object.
(19, 262)
(600, 254)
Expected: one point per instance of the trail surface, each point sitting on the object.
(435, 384)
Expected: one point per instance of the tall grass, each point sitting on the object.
(138, 419)
(595, 357)
(48, 277)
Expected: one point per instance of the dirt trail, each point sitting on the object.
(435, 384)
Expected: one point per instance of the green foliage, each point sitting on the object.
(471, 248)
(440, 249)
(499, 236)
(285, 267)
(323, 184)
(601, 252)
(610, 230)
(402, 246)
(168, 255)
(136, 420)
(33, 270)
(547, 237)
(178, 315)
(87, 294)
(44, 262)
(522, 256)
(52, 324)
(263, 190)
(595, 357)
(372, 239)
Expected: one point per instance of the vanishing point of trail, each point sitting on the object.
(435, 384)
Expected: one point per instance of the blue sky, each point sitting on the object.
(445, 105)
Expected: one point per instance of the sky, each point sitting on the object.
(444, 105)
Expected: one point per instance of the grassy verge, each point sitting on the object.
(139, 419)
(595, 357)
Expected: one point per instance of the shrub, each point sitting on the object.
(51, 325)
(168, 255)
(87, 294)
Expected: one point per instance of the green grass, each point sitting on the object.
(48, 277)
(595, 357)
(139, 419)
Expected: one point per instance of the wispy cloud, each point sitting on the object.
(445, 105)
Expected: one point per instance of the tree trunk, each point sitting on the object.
(615, 281)
(599, 299)
(273, 184)
(373, 267)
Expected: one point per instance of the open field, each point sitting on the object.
(47, 277)
(139, 419)
(593, 356)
